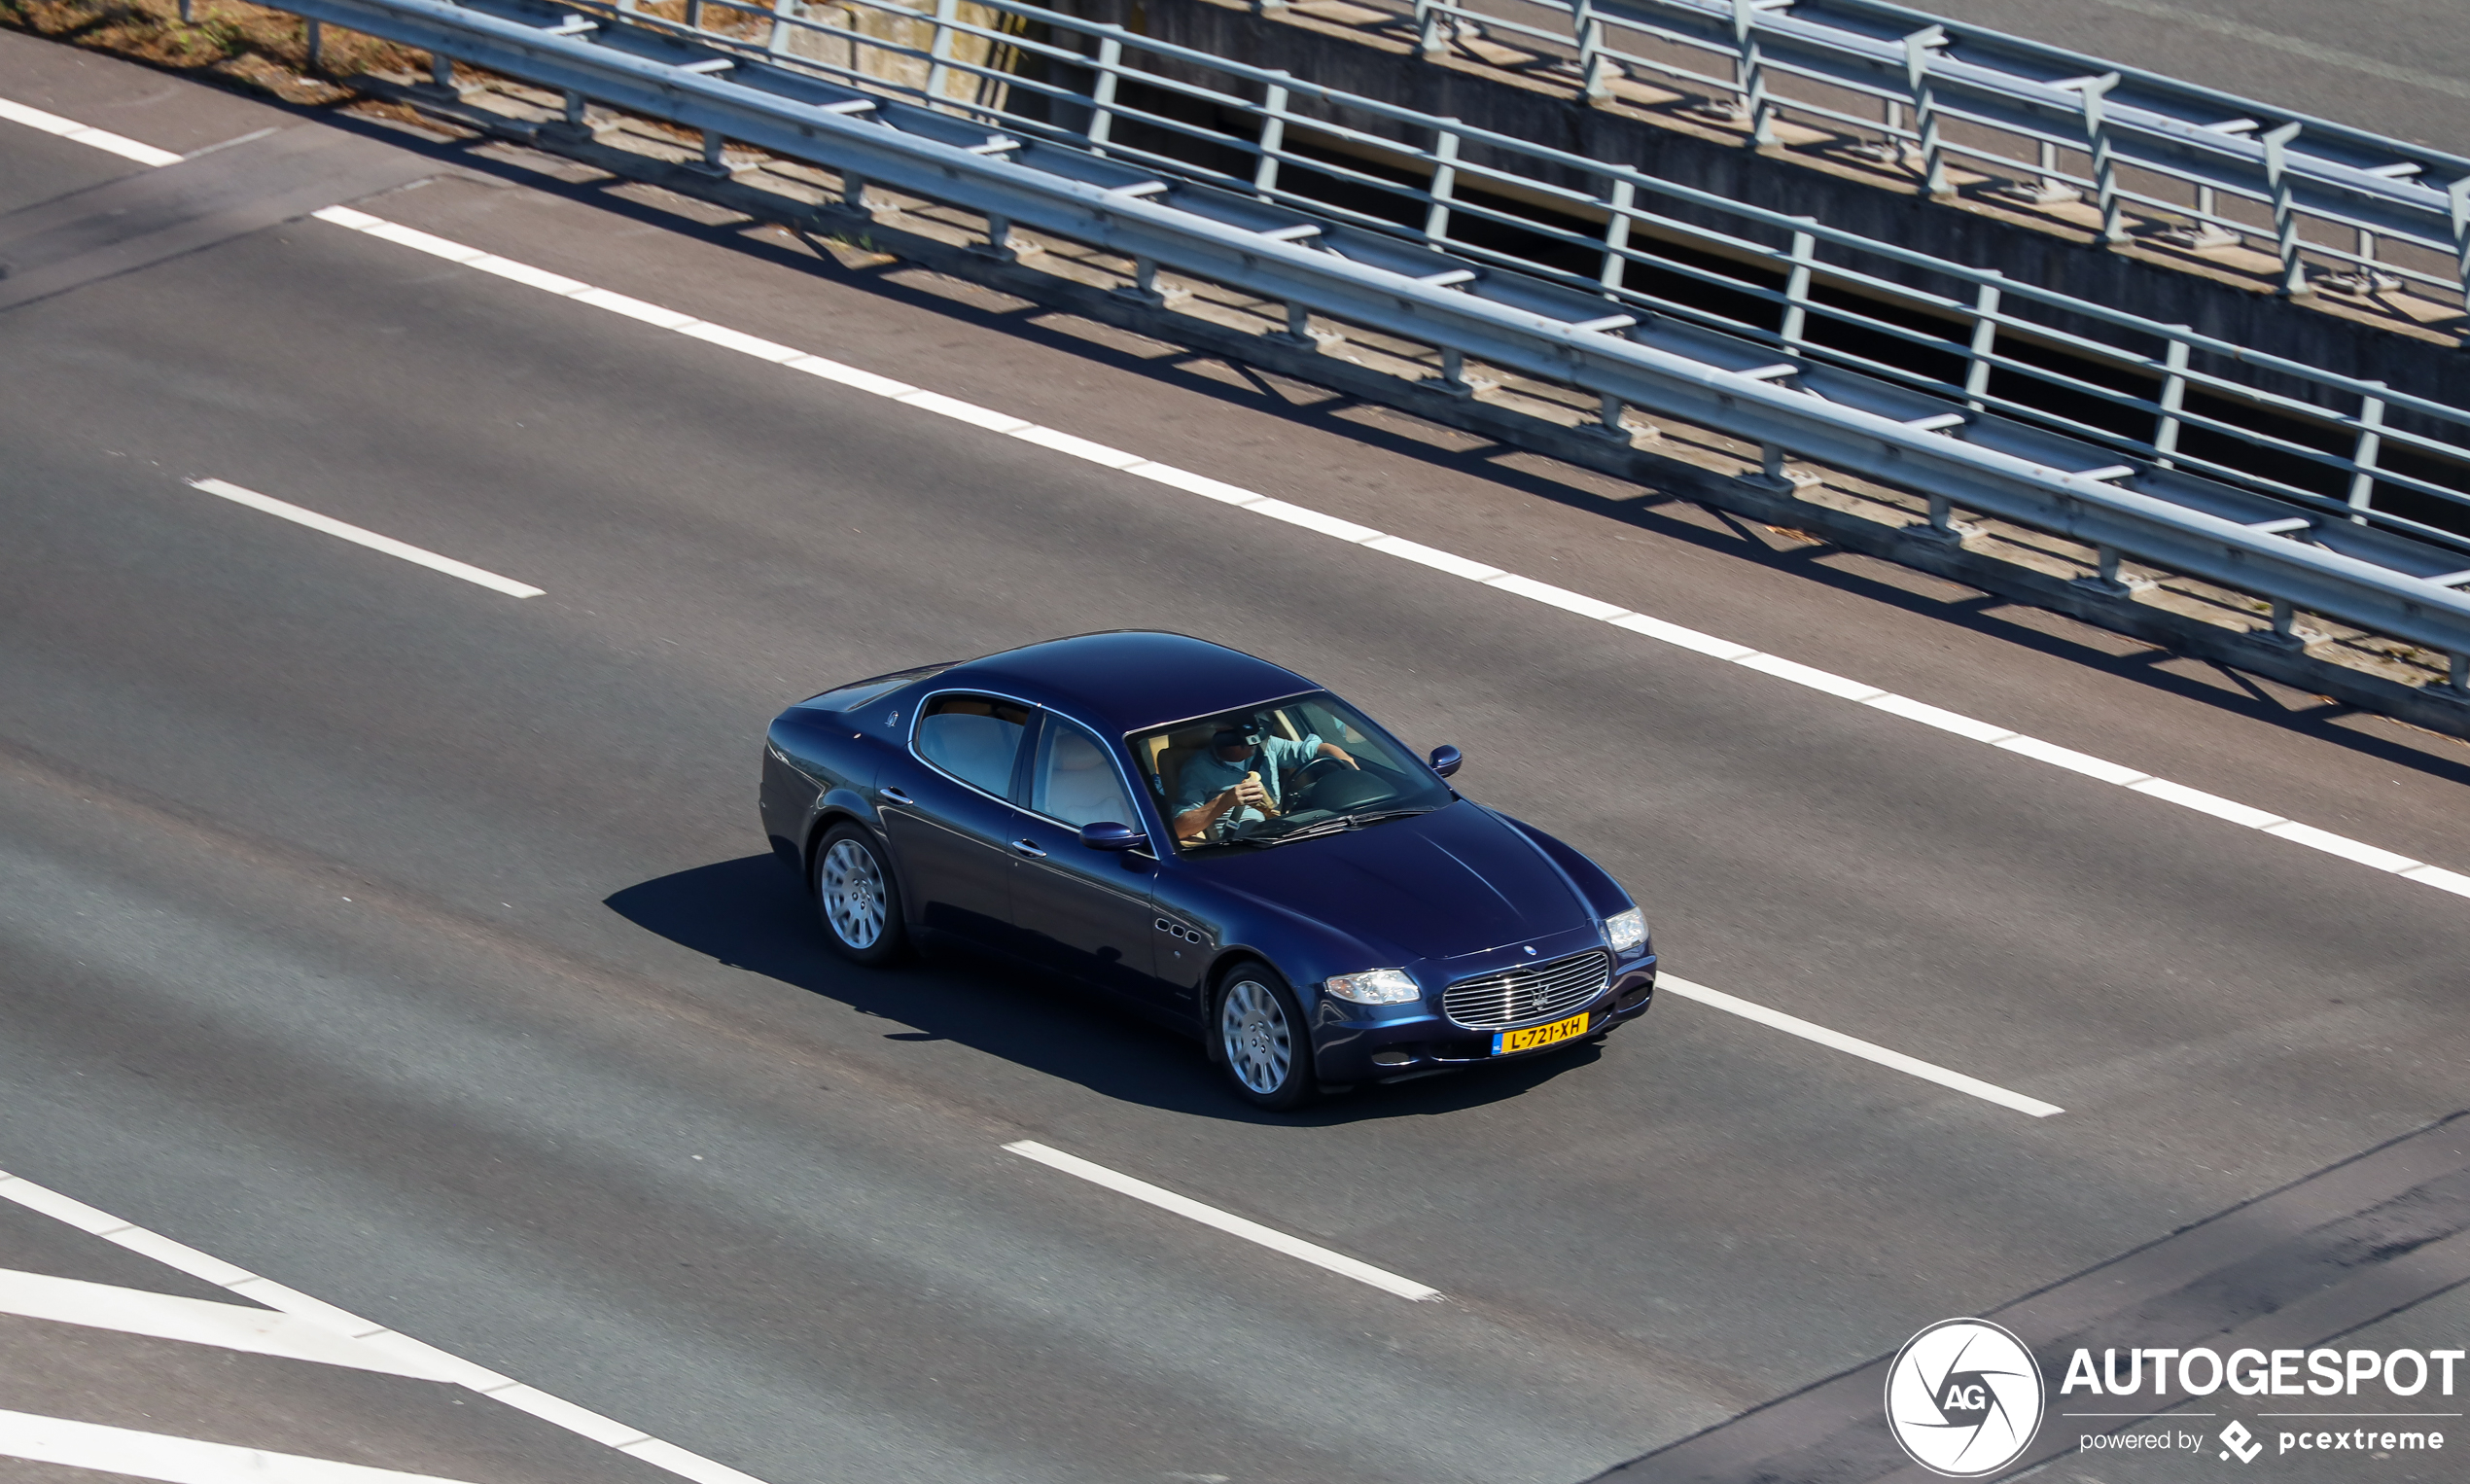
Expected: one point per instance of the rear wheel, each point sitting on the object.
(1262, 1039)
(856, 897)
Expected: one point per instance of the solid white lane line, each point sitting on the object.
(101, 139)
(194, 1322)
(1914, 1066)
(403, 1348)
(1820, 681)
(369, 539)
(1234, 1226)
(1857, 691)
(175, 1460)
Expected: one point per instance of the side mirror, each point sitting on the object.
(1446, 759)
(1106, 835)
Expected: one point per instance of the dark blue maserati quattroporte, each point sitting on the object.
(1214, 842)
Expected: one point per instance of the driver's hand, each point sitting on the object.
(1252, 792)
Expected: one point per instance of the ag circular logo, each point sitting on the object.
(1965, 1398)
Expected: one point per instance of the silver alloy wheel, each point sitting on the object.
(851, 885)
(1259, 1046)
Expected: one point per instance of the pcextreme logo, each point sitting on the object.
(1965, 1398)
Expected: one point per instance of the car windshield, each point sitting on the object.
(1276, 773)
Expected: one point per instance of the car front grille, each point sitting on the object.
(1525, 994)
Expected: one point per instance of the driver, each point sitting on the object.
(1241, 779)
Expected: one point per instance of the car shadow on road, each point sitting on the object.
(750, 914)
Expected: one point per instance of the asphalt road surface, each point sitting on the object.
(415, 944)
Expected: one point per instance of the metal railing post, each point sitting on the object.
(782, 11)
(1444, 181)
(2096, 135)
(2459, 197)
(1617, 236)
(187, 13)
(1144, 288)
(317, 46)
(1942, 523)
(999, 239)
(2105, 579)
(1594, 69)
(2370, 445)
(1607, 424)
(1751, 74)
(695, 14)
(1796, 290)
(2285, 217)
(1920, 50)
(1429, 19)
(1985, 342)
(1272, 138)
(939, 53)
(2174, 399)
(1102, 91)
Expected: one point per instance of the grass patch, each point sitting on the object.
(230, 41)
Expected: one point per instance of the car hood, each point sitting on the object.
(1439, 884)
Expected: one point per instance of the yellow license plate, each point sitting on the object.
(1533, 1036)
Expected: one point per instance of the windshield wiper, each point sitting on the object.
(1339, 825)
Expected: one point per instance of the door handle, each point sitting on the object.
(1028, 848)
(893, 795)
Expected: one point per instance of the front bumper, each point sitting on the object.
(1424, 1041)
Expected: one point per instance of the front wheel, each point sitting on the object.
(1262, 1040)
(856, 897)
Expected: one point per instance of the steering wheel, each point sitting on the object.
(1329, 783)
(1303, 780)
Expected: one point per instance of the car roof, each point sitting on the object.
(1130, 679)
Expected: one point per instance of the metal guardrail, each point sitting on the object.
(1960, 442)
(2202, 169)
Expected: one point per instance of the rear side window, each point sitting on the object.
(974, 738)
(1076, 780)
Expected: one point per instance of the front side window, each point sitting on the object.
(974, 738)
(1291, 770)
(1074, 780)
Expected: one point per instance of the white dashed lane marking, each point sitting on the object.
(369, 539)
(1226, 1221)
(1854, 1045)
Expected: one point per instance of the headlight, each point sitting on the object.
(1374, 986)
(1627, 932)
